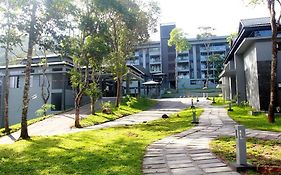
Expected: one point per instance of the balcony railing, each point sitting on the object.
(133, 62)
(213, 48)
(180, 68)
(153, 60)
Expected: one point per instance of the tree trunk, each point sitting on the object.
(271, 108)
(7, 77)
(77, 110)
(118, 91)
(24, 131)
(176, 72)
(93, 102)
(6, 91)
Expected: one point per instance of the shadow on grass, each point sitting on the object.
(73, 155)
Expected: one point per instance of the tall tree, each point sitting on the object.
(178, 39)
(273, 6)
(37, 18)
(206, 33)
(216, 61)
(87, 48)
(129, 24)
(8, 40)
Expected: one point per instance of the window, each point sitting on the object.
(57, 81)
(14, 81)
(193, 82)
(56, 99)
(57, 69)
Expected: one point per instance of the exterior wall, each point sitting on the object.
(240, 78)
(69, 98)
(251, 77)
(57, 86)
(15, 99)
(264, 68)
(168, 55)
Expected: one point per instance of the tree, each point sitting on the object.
(129, 25)
(206, 33)
(178, 39)
(87, 48)
(37, 18)
(275, 23)
(8, 40)
(230, 38)
(217, 62)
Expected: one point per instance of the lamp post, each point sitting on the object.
(194, 119)
(192, 104)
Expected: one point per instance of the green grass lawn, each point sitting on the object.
(259, 152)
(109, 151)
(219, 101)
(241, 115)
(17, 127)
(128, 107)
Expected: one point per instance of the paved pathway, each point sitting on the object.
(188, 152)
(61, 124)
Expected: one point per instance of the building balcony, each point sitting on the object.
(182, 59)
(133, 62)
(183, 68)
(213, 48)
(155, 71)
(155, 61)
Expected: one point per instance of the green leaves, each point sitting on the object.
(177, 38)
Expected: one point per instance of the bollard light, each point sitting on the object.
(240, 145)
(213, 102)
(194, 119)
(230, 107)
(192, 105)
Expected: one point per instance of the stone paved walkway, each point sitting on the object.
(61, 124)
(188, 152)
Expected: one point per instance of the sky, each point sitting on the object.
(223, 15)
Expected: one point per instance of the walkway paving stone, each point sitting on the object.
(62, 123)
(188, 152)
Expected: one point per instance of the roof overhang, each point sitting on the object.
(151, 83)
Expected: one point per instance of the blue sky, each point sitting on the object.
(223, 15)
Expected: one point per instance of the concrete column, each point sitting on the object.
(194, 61)
(139, 88)
(127, 84)
(227, 88)
(143, 58)
(240, 78)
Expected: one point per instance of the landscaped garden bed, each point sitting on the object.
(264, 154)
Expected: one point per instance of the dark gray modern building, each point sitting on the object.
(246, 74)
(190, 66)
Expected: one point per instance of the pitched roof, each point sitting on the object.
(254, 22)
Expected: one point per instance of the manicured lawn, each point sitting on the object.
(219, 101)
(259, 152)
(128, 107)
(17, 127)
(109, 151)
(241, 115)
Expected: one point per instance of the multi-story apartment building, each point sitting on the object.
(190, 66)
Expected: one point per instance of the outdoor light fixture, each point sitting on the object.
(279, 85)
(194, 119)
(230, 106)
